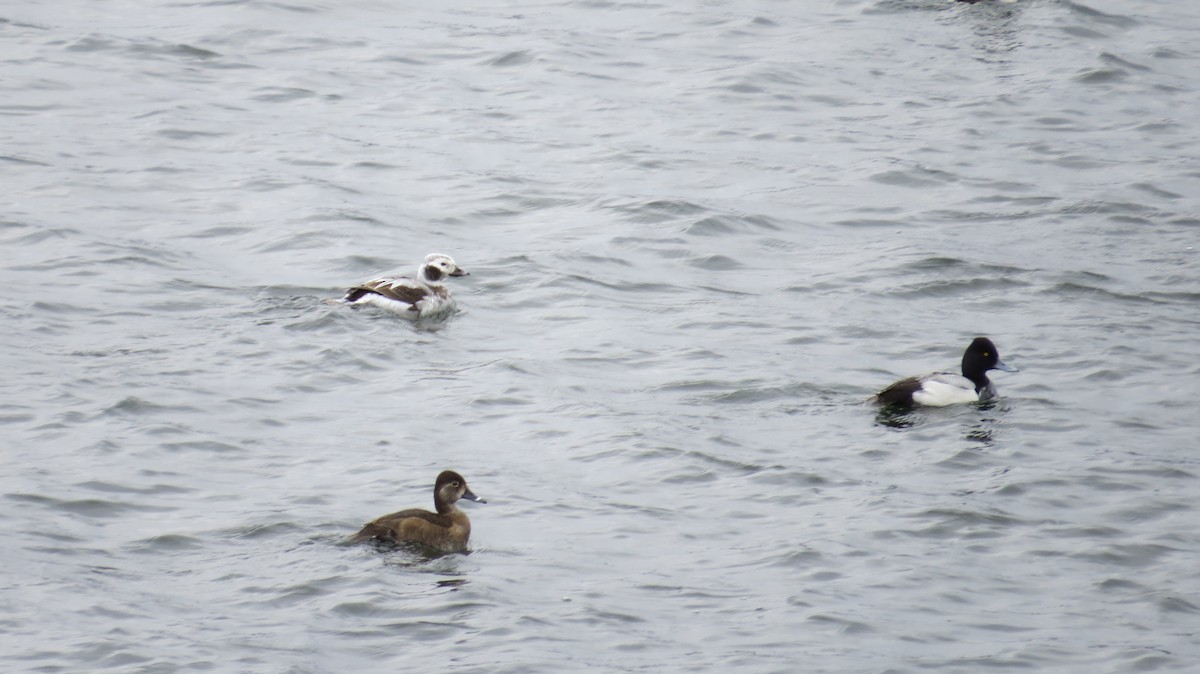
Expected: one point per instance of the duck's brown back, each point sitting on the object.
(449, 532)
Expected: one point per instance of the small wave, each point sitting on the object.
(1096, 16)
(1075, 291)
(135, 406)
(657, 211)
(715, 263)
(510, 59)
(953, 288)
(282, 94)
(89, 507)
(915, 177)
(166, 543)
(724, 224)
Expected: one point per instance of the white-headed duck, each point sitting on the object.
(411, 298)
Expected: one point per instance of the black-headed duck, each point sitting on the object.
(938, 389)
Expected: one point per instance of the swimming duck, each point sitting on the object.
(938, 389)
(412, 298)
(447, 530)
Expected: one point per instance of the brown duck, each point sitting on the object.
(447, 530)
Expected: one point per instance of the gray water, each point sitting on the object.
(700, 236)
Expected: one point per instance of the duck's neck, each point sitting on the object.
(979, 378)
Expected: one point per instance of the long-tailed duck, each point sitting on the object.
(447, 530)
(412, 298)
(938, 389)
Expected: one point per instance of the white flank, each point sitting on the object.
(938, 392)
(374, 300)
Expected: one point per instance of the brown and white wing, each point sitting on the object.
(393, 288)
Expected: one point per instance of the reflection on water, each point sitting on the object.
(899, 416)
(997, 28)
(409, 553)
(987, 416)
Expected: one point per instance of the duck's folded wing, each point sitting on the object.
(392, 527)
(368, 532)
(948, 379)
(398, 289)
(899, 393)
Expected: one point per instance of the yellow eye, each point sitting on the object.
(986, 354)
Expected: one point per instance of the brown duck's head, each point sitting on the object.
(450, 487)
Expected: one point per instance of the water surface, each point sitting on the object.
(700, 236)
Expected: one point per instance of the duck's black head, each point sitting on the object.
(980, 357)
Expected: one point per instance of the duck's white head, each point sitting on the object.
(437, 267)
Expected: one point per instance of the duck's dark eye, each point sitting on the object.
(453, 484)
